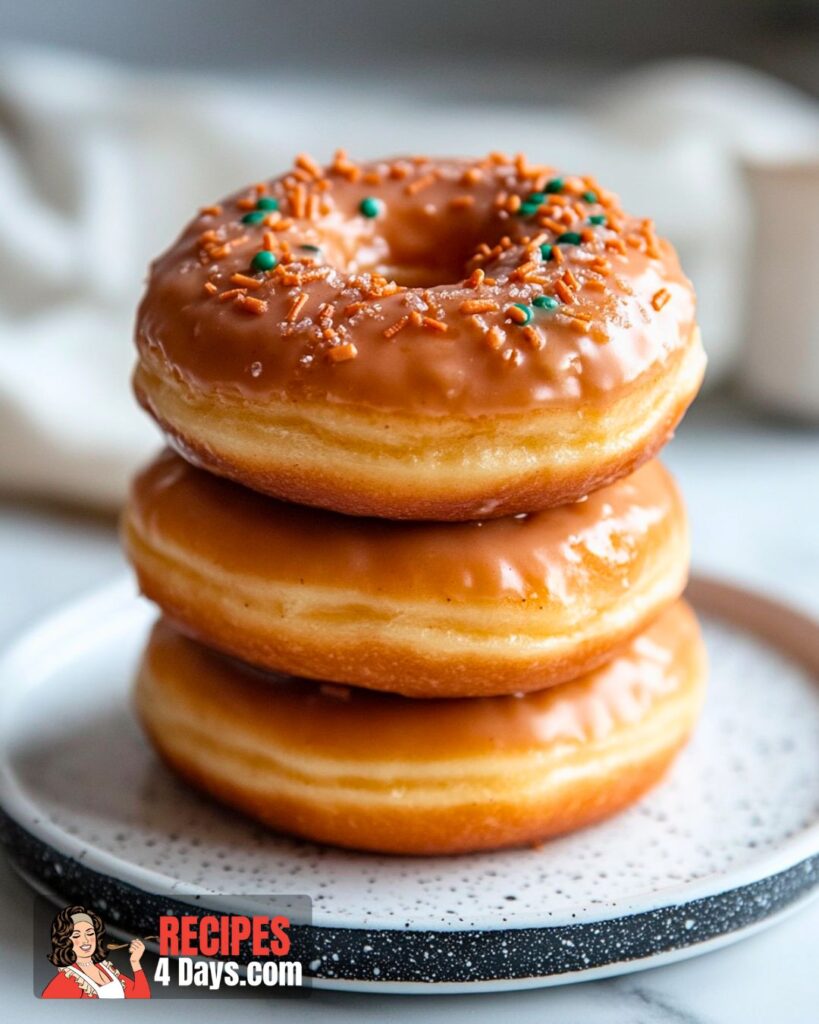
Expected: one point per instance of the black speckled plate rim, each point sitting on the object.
(412, 957)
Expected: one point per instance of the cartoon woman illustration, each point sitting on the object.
(78, 950)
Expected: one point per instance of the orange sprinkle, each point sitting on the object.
(342, 353)
(432, 324)
(371, 178)
(513, 203)
(211, 211)
(496, 157)
(354, 307)
(476, 278)
(297, 307)
(555, 226)
(533, 336)
(557, 255)
(399, 325)
(617, 244)
(461, 202)
(399, 171)
(579, 326)
(570, 279)
(495, 338)
(478, 306)
(245, 281)
(471, 176)
(252, 305)
(596, 284)
(415, 318)
(526, 268)
(210, 288)
(516, 314)
(564, 293)
(307, 163)
(231, 293)
(312, 207)
(269, 240)
(298, 200)
(420, 183)
(246, 203)
(660, 298)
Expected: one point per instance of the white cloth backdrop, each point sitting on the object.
(100, 166)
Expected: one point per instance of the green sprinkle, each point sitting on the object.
(555, 185)
(527, 313)
(267, 203)
(590, 197)
(528, 209)
(569, 238)
(370, 206)
(536, 197)
(545, 302)
(254, 217)
(263, 260)
(546, 251)
(597, 218)
(310, 248)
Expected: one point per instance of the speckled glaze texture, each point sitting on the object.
(411, 309)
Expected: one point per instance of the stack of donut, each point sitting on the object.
(419, 572)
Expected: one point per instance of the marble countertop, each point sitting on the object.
(753, 492)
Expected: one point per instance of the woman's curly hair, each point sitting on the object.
(62, 950)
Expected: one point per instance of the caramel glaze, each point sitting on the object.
(541, 557)
(341, 722)
(434, 216)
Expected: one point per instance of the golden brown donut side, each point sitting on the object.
(377, 772)
(410, 467)
(423, 609)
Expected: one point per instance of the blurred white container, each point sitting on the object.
(779, 367)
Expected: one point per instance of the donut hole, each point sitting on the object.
(417, 250)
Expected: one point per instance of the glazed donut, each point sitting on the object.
(380, 772)
(423, 609)
(419, 339)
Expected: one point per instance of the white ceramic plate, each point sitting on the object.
(726, 844)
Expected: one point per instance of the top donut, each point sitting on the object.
(419, 338)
